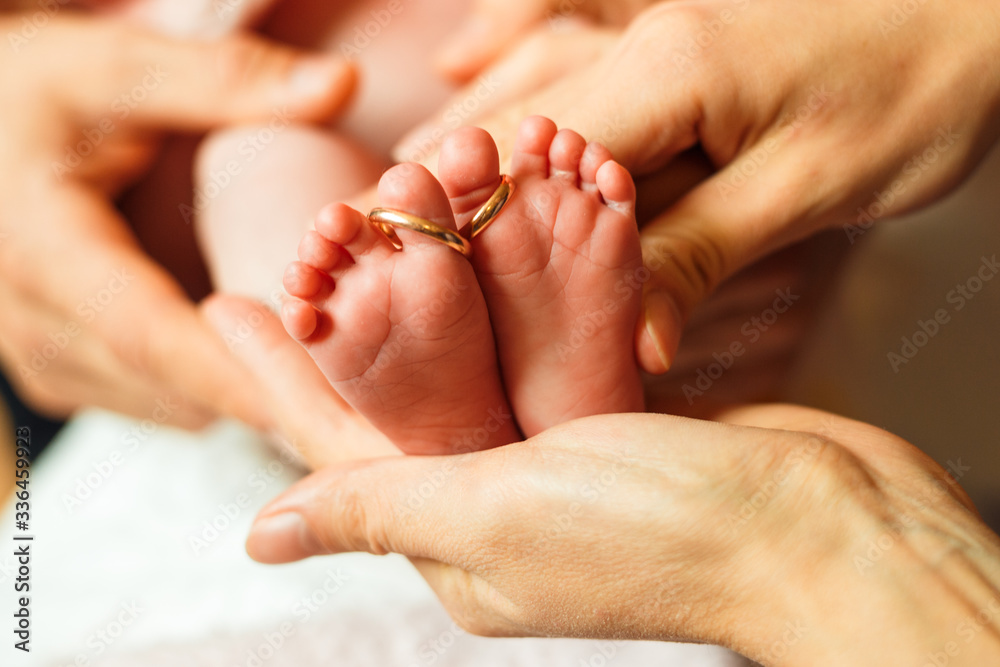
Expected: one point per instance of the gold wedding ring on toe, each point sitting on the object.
(387, 221)
(485, 216)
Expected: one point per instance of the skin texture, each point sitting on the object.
(555, 269)
(61, 240)
(494, 26)
(309, 416)
(405, 336)
(657, 527)
(773, 93)
(420, 360)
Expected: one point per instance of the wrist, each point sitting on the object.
(835, 567)
(876, 582)
(885, 602)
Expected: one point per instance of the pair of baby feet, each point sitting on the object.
(439, 352)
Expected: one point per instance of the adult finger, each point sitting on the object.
(425, 508)
(713, 232)
(494, 25)
(191, 18)
(491, 27)
(122, 297)
(442, 507)
(307, 411)
(538, 60)
(56, 365)
(153, 80)
(599, 100)
(418, 506)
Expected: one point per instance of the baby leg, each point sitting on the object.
(258, 190)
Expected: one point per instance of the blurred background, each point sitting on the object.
(946, 399)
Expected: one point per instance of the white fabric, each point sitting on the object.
(129, 543)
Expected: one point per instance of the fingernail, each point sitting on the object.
(282, 538)
(314, 77)
(663, 325)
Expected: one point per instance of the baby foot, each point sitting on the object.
(560, 267)
(405, 336)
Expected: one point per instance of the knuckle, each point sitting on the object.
(359, 527)
(690, 266)
(673, 37)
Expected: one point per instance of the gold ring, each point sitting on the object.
(386, 220)
(492, 208)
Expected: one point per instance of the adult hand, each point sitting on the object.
(309, 417)
(789, 535)
(495, 25)
(185, 18)
(539, 58)
(88, 318)
(815, 115)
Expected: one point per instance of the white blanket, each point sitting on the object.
(127, 569)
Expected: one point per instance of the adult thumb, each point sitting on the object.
(491, 27)
(741, 214)
(422, 507)
(156, 81)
